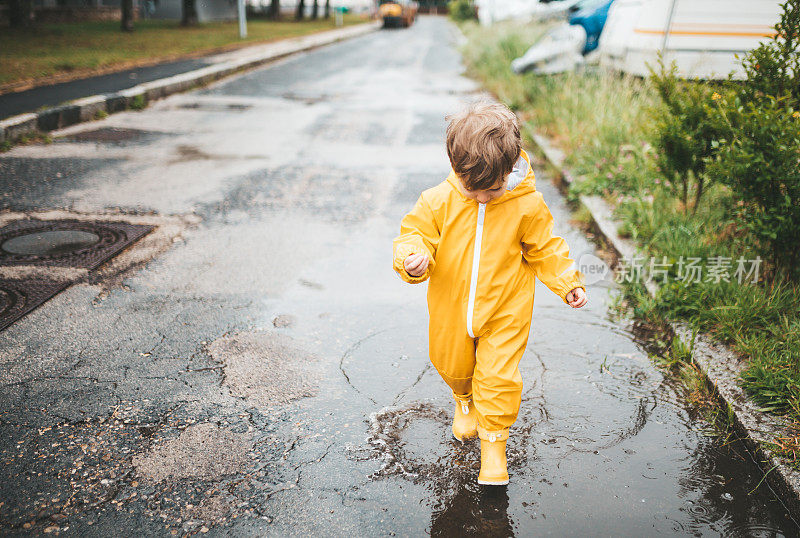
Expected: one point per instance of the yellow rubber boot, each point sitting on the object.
(494, 471)
(465, 419)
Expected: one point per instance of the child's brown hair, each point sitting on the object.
(483, 144)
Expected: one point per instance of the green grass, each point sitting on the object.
(138, 103)
(79, 49)
(601, 120)
(31, 138)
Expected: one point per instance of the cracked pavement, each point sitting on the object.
(253, 367)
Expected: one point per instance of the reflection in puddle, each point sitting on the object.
(474, 510)
(414, 442)
(624, 485)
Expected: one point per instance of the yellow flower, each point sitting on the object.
(796, 114)
(716, 97)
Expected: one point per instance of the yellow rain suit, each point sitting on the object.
(480, 296)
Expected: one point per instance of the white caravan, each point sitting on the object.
(702, 37)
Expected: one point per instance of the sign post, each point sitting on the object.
(242, 21)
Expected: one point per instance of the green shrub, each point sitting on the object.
(758, 155)
(758, 159)
(773, 67)
(683, 132)
(461, 10)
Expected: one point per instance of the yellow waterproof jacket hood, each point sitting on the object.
(484, 256)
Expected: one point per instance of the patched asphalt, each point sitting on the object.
(255, 368)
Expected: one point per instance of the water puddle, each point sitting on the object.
(615, 451)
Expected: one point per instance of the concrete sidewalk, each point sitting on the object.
(92, 98)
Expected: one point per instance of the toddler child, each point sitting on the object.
(480, 237)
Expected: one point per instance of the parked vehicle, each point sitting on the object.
(591, 14)
(702, 37)
(395, 13)
(564, 46)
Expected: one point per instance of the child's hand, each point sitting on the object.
(416, 264)
(576, 298)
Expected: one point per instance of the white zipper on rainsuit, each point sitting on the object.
(476, 260)
(516, 176)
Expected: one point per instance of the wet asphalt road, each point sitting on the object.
(265, 372)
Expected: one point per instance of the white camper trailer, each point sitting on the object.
(702, 37)
(492, 11)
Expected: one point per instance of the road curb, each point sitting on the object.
(719, 364)
(96, 106)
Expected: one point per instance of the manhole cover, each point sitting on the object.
(58, 243)
(66, 243)
(55, 243)
(18, 297)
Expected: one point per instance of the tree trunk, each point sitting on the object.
(685, 194)
(327, 9)
(776, 265)
(301, 8)
(275, 10)
(698, 194)
(19, 13)
(189, 16)
(315, 10)
(127, 15)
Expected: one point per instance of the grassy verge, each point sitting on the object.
(601, 120)
(55, 52)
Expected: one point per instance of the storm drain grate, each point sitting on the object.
(18, 297)
(66, 243)
(59, 243)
